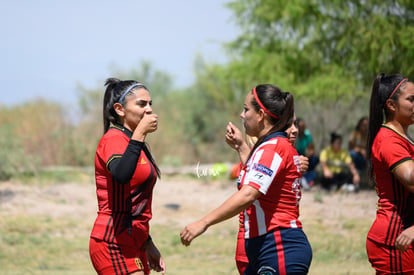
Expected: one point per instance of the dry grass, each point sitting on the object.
(45, 228)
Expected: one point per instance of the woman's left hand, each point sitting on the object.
(234, 136)
(405, 239)
(155, 260)
(304, 163)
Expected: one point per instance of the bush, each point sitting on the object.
(13, 158)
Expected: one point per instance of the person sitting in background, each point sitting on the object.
(357, 145)
(305, 147)
(337, 166)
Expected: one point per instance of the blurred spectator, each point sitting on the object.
(338, 170)
(357, 144)
(305, 147)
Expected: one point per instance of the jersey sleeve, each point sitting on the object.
(123, 168)
(263, 169)
(113, 147)
(394, 152)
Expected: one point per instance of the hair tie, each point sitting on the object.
(396, 88)
(261, 105)
(128, 90)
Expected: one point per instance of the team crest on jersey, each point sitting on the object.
(266, 270)
(262, 169)
(139, 263)
(142, 161)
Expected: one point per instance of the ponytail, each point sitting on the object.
(276, 102)
(115, 92)
(384, 87)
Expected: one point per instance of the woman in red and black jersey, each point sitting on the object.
(391, 153)
(125, 174)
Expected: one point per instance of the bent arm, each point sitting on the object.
(243, 151)
(405, 174)
(234, 139)
(123, 168)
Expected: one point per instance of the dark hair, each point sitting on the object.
(115, 89)
(115, 93)
(358, 126)
(278, 103)
(382, 88)
(335, 137)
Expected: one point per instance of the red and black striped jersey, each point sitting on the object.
(395, 203)
(122, 206)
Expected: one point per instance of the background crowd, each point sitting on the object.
(335, 167)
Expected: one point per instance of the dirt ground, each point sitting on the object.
(177, 200)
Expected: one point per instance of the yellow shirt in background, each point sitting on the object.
(337, 162)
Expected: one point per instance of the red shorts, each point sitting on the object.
(111, 258)
(387, 259)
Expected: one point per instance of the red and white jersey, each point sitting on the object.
(395, 203)
(274, 170)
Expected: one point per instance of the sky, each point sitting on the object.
(48, 48)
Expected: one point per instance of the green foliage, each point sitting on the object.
(326, 53)
(158, 82)
(13, 158)
(362, 37)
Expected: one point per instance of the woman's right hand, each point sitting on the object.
(234, 137)
(148, 124)
(192, 231)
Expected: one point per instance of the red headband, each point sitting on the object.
(396, 88)
(261, 105)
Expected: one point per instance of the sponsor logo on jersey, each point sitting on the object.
(262, 169)
(258, 176)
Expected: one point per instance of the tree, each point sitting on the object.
(325, 52)
(361, 38)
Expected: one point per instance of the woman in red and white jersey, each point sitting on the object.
(234, 138)
(125, 174)
(391, 152)
(270, 190)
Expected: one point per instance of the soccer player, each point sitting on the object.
(390, 151)
(125, 174)
(269, 191)
(234, 138)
